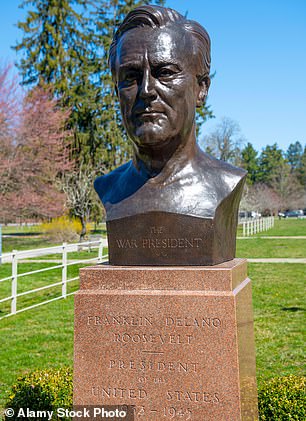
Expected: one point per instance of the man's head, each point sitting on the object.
(158, 17)
(160, 63)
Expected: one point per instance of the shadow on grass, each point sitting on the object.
(23, 234)
(293, 309)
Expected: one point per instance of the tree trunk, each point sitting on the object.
(83, 231)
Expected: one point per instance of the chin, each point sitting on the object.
(151, 135)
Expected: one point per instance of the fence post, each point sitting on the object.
(100, 251)
(243, 227)
(14, 282)
(64, 271)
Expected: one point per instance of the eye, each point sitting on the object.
(128, 77)
(166, 72)
(131, 75)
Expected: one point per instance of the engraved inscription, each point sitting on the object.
(160, 243)
(157, 366)
(171, 243)
(193, 396)
(166, 413)
(157, 230)
(126, 244)
(152, 336)
(193, 322)
(143, 321)
(143, 338)
(118, 392)
(119, 320)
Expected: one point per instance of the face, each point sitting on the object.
(157, 85)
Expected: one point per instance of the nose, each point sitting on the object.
(147, 86)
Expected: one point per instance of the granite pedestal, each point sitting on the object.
(176, 343)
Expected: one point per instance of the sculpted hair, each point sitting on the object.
(158, 17)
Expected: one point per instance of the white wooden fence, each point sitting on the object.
(257, 225)
(64, 249)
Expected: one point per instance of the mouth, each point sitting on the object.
(148, 114)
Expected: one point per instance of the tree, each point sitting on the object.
(40, 155)
(225, 141)
(79, 194)
(9, 112)
(249, 161)
(275, 172)
(270, 161)
(301, 172)
(294, 155)
(9, 99)
(53, 45)
(261, 198)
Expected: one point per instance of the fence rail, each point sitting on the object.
(257, 225)
(16, 256)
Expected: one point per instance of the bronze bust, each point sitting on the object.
(172, 204)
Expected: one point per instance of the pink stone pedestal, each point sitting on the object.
(177, 343)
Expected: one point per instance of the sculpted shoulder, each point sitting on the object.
(107, 184)
(118, 184)
(223, 176)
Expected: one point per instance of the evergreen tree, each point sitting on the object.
(294, 155)
(270, 160)
(249, 161)
(301, 172)
(53, 46)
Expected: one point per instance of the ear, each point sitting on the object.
(204, 83)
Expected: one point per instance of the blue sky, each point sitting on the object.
(258, 54)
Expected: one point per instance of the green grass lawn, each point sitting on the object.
(25, 243)
(279, 312)
(36, 339)
(257, 247)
